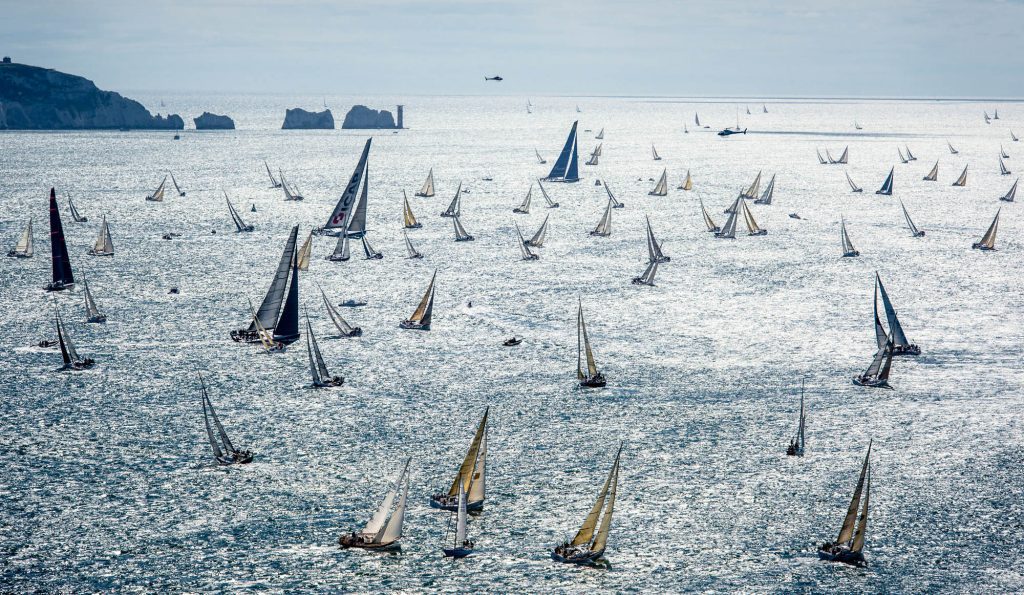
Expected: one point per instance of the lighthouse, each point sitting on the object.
(399, 123)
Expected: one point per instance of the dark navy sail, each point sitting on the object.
(62, 275)
(566, 168)
(271, 306)
(287, 329)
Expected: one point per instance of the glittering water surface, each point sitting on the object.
(107, 481)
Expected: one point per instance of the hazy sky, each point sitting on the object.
(944, 48)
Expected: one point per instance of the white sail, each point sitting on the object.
(1002, 153)
(661, 188)
(821, 159)
(647, 278)
(853, 186)
(1002, 168)
(951, 149)
(654, 253)
(583, 348)
(910, 223)
(460, 232)
(376, 522)
(1008, 197)
(368, 250)
(903, 159)
(988, 241)
(615, 202)
(537, 241)
(604, 226)
(92, 311)
(933, 175)
(428, 185)
(729, 229)
(845, 157)
(104, 246)
(654, 153)
(455, 207)
(478, 484)
(340, 323)
(393, 530)
(25, 246)
(910, 156)
(551, 204)
(524, 247)
(158, 194)
(524, 208)
(540, 159)
(848, 249)
(340, 217)
(341, 249)
(769, 192)
(460, 524)
(962, 180)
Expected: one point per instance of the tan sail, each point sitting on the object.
(305, 252)
(933, 175)
(862, 526)
(426, 304)
(755, 188)
(265, 337)
(748, 217)
(707, 218)
(407, 216)
(428, 186)
(586, 532)
(989, 239)
(478, 486)
(606, 521)
(465, 474)
(846, 533)
(687, 183)
(962, 180)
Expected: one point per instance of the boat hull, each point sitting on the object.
(239, 458)
(452, 504)
(15, 254)
(59, 286)
(333, 382)
(760, 232)
(871, 383)
(376, 256)
(414, 226)
(99, 253)
(596, 381)
(906, 350)
(465, 239)
(640, 281)
(982, 247)
(356, 541)
(286, 339)
(85, 364)
(851, 254)
(583, 558)
(457, 552)
(97, 319)
(413, 326)
(844, 556)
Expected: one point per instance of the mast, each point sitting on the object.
(339, 218)
(271, 306)
(61, 264)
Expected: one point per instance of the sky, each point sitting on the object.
(689, 48)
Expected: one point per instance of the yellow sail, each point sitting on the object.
(688, 184)
(410, 219)
(606, 521)
(465, 475)
(858, 537)
(265, 337)
(586, 532)
(846, 533)
(417, 316)
(305, 252)
(478, 486)
(752, 226)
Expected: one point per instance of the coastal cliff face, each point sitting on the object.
(300, 119)
(209, 121)
(361, 116)
(33, 98)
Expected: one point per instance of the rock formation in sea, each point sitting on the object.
(361, 116)
(299, 118)
(209, 121)
(34, 98)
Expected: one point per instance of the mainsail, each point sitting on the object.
(428, 186)
(845, 157)
(472, 470)
(409, 250)
(339, 218)
(551, 204)
(585, 537)
(595, 156)
(951, 149)
(540, 159)
(687, 183)
(615, 202)
(566, 168)
(903, 159)
(910, 156)
(104, 246)
(290, 193)
(896, 334)
(341, 250)
(933, 175)
(753, 228)
(821, 160)
(92, 311)
(707, 219)
(848, 530)
(729, 229)
(886, 188)
(25, 246)
(240, 225)
(424, 311)
(524, 247)
(988, 241)
(654, 253)
(654, 153)
(537, 240)
(158, 194)
(391, 531)
(75, 215)
(368, 250)
(176, 187)
(460, 232)
(1008, 197)
(524, 208)
(848, 249)
(853, 186)
(455, 207)
(647, 278)
(1002, 168)
(769, 192)
(61, 265)
(962, 180)
(408, 219)
(286, 330)
(583, 348)
(913, 228)
(661, 188)
(270, 308)
(754, 189)
(600, 135)
(604, 226)
(340, 323)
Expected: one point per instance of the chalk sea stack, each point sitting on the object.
(300, 119)
(361, 116)
(34, 98)
(209, 121)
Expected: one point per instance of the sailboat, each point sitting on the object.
(687, 183)
(26, 243)
(988, 241)
(877, 374)
(615, 202)
(524, 207)
(728, 230)
(661, 188)
(537, 241)
(524, 248)
(224, 452)
(408, 219)
(828, 157)
(455, 207)
(240, 225)
(305, 252)
(291, 193)
(270, 309)
(900, 344)
(903, 159)
(540, 160)
(273, 182)
(886, 188)
(821, 160)
(158, 194)
(853, 187)
(796, 443)
(92, 312)
(647, 277)
(427, 190)
(368, 250)
(341, 250)
(587, 547)
(951, 149)
(600, 135)
(177, 188)
(75, 215)
(754, 190)
(987, 119)
(104, 246)
(696, 121)
(72, 361)
(848, 249)
(914, 231)
(685, 129)
(654, 153)
(748, 110)
(409, 249)
(322, 378)
(752, 227)
(857, 126)
(1002, 168)
(654, 253)
(1008, 197)
(420, 319)
(962, 180)
(933, 175)
(604, 226)
(844, 158)
(1002, 153)
(460, 232)
(995, 114)
(910, 156)
(595, 156)
(566, 168)
(63, 278)
(707, 219)
(547, 199)
(346, 329)
(769, 192)
(591, 378)
(764, 108)
(471, 479)
(383, 533)
(1013, 137)
(848, 547)
(461, 545)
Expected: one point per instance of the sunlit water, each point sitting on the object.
(108, 482)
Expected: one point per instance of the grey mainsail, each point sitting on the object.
(654, 253)
(848, 249)
(240, 225)
(460, 232)
(604, 226)
(524, 208)
(538, 238)
(853, 186)
(409, 249)
(962, 180)
(273, 182)
(661, 188)
(768, 194)
(524, 247)
(92, 311)
(340, 323)
(933, 175)
(551, 204)
(455, 207)
(270, 308)
(176, 186)
(611, 197)
(1008, 197)
(428, 186)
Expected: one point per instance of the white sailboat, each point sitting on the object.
(341, 250)
(853, 187)
(903, 158)
(821, 160)
(408, 219)
(537, 241)
(844, 158)
(595, 156)
(988, 241)
(687, 183)
(428, 186)
(1013, 137)
(1008, 197)
(615, 202)
(26, 243)
(460, 232)
(769, 192)
(410, 251)
(647, 278)
(914, 231)
(654, 153)
(104, 246)
(273, 182)
(540, 160)
(933, 175)
(158, 194)
(524, 207)
(461, 545)
(753, 229)
(1002, 153)
(661, 188)
(92, 311)
(368, 250)
(589, 377)
(588, 546)
(962, 180)
(844, 238)
(1002, 168)
(524, 247)
(384, 529)
(455, 207)
(604, 226)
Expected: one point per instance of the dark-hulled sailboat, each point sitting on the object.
(322, 377)
(224, 452)
(796, 443)
(900, 344)
(346, 329)
(877, 374)
(566, 167)
(886, 188)
(26, 243)
(240, 225)
(988, 241)
(62, 278)
(421, 318)
(590, 542)
(848, 547)
(589, 377)
(270, 310)
(384, 530)
(72, 361)
(471, 478)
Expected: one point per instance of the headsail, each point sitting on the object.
(273, 182)
(896, 334)
(158, 194)
(317, 366)
(933, 175)
(886, 188)
(524, 247)
(1002, 168)
(846, 532)
(551, 204)
(748, 217)
(848, 249)
(615, 202)
(92, 311)
(75, 215)
(461, 235)
(286, 329)
(177, 188)
(654, 253)
(340, 323)
(988, 241)
(654, 153)
(951, 149)
(540, 159)
(305, 252)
